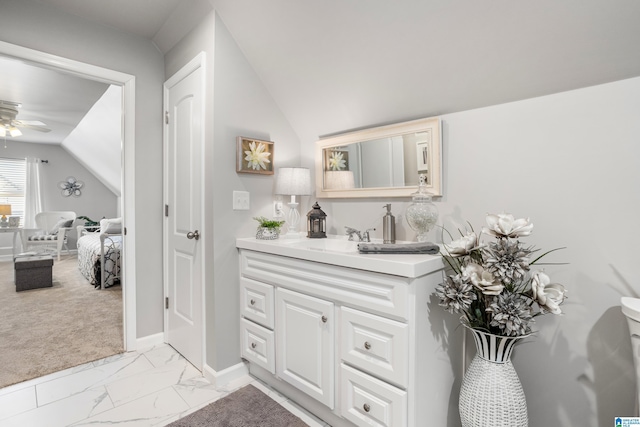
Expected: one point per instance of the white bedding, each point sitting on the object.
(89, 259)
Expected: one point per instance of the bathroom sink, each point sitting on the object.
(328, 245)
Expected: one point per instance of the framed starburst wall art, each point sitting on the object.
(254, 156)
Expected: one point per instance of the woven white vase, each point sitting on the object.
(491, 394)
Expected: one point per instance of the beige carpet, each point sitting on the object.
(50, 329)
(247, 407)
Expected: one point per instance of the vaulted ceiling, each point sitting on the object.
(338, 65)
(58, 100)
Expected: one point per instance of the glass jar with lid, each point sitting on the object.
(422, 213)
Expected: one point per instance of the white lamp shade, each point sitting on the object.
(293, 181)
(338, 180)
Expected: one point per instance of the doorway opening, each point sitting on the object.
(127, 83)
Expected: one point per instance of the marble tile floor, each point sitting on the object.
(151, 387)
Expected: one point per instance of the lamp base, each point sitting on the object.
(293, 219)
(3, 222)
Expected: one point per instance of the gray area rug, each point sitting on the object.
(247, 407)
(50, 329)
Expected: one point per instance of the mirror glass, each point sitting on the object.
(380, 162)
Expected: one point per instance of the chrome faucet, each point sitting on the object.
(363, 236)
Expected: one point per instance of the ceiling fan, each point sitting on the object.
(10, 125)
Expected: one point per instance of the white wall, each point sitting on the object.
(570, 162)
(237, 105)
(37, 26)
(97, 140)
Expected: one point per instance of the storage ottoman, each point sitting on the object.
(32, 272)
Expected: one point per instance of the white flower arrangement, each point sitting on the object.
(492, 284)
(257, 156)
(337, 161)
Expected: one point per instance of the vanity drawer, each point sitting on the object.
(376, 345)
(256, 302)
(258, 345)
(367, 401)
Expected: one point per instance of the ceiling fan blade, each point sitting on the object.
(31, 124)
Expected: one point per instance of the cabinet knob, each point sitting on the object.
(253, 345)
(252, 302)
(367, 345)
(324, 319)
(366, 407)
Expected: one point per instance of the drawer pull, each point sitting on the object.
(252, 302)
(367, 345)
(366, 407)
(324, 319)
(253, 345)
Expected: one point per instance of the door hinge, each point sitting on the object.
(125, 231)
(166, 302)
(166, 210)
(166, 117)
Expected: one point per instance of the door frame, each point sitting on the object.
(199, 61)
(127, 83)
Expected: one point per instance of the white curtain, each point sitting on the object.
(33, 198)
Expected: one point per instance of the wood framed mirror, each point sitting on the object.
(383, 161)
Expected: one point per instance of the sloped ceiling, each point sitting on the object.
(336, 65)
(59, 100)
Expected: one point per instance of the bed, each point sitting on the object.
(99, 254)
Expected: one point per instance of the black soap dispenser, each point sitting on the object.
(388, 226)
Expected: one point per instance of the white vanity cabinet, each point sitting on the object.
(351, 345)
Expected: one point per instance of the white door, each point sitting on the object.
(184, 298)
(304, 343)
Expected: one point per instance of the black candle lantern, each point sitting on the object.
(316, 222)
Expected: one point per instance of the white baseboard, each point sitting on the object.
(225, 376)
(149, 341)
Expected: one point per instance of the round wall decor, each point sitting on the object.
(71, 187)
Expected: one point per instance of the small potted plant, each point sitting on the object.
(268, 229)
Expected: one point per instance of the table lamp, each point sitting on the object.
(293, 182)
(4, 211)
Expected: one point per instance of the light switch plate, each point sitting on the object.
(240, 200)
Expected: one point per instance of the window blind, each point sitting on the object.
(13, 175)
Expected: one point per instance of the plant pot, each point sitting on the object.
(491, 394)
(265, 233)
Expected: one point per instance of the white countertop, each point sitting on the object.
(337, 250)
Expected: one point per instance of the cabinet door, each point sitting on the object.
(304, 344)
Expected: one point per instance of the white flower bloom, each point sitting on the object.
(256, 156)
(336, 161)
(482, 279)
(462, 246)
(505, 225)
(548, 295)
